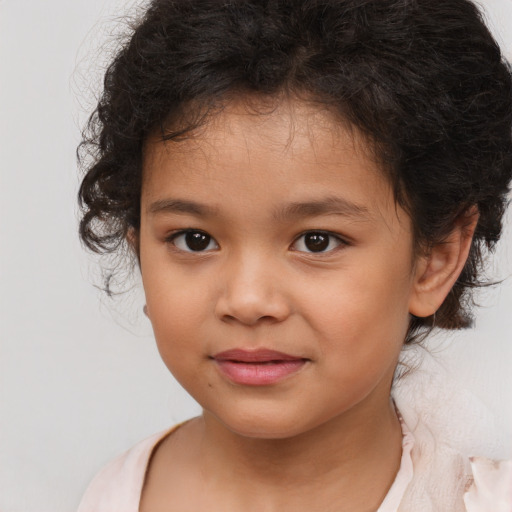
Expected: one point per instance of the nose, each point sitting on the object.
(252, 293)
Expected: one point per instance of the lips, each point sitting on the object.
(257, 368)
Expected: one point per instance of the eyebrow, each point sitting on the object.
(325, 206)
(181, 206)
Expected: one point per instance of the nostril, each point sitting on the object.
(249, 321)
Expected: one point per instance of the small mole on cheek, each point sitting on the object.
(209, 385)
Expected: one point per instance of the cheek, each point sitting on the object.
(361, 298)
(175, 309)
(173, 303)
(360, 348)
(170, 290)
(362, 316)
(175, 325)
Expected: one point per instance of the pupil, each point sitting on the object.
(317, 242)
(197, 241)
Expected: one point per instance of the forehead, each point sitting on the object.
(263, 153)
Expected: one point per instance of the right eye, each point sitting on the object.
(193, 241)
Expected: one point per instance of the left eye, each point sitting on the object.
(317, 241)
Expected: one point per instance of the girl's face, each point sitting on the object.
(277, 267)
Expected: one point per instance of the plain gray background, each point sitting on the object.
(80, 378)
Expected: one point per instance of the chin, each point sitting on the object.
(268, 432)
(267, 425)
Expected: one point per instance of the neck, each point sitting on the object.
(352, 459)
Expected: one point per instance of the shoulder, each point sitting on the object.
(118, 486)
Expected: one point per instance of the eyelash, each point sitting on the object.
(175, 236)
(339, 241)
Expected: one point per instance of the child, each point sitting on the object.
(308, 186)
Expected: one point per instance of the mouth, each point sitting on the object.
(257, 368)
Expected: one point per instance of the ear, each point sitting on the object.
(437, 271)
(132, 239)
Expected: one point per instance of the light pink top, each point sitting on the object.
(118, 487)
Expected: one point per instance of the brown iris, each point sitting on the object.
(197, 241)
(316, 242)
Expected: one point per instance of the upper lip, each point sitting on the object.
(254, 356)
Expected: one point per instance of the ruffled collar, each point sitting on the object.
(475, 485)
(454, 440)
(491, 490)
(404, 476)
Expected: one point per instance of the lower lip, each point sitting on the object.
(259, 374)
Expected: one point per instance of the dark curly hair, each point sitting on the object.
(423, 81)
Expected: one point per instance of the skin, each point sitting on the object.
(314, 440)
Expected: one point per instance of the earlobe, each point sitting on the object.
(437, 271)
